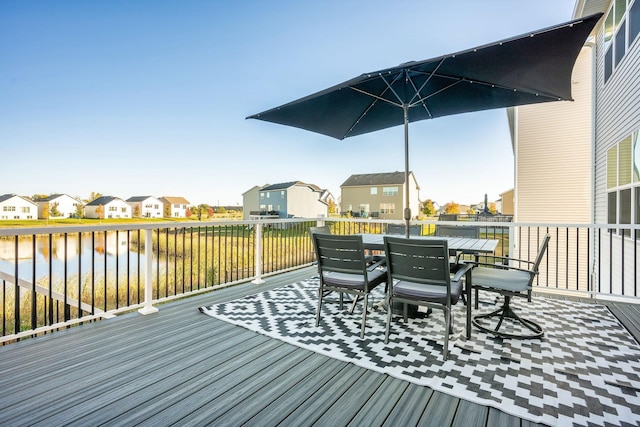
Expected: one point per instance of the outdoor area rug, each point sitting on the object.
(584, 371)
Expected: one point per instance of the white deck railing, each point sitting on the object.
(53, 277)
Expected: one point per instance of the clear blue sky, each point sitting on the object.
(131, 98)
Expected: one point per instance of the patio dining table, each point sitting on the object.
(375, 242)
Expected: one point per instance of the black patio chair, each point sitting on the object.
(418, 273)
(342, 267)
(508, 278)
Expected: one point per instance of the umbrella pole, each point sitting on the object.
(407, 209)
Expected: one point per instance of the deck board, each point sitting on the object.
(179, 366)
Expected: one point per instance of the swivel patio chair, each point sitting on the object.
(509, 281)
(418, 273)
(342, 267)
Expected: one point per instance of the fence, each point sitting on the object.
(58, 276)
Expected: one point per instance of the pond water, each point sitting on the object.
(78, 254)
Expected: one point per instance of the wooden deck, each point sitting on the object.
(179, 366)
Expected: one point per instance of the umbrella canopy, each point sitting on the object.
(532, 68)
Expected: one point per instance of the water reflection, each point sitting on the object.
(79, 252)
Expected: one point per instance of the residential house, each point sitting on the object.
(174, 207)
(578, 161)
(506, 202)
(59, 206)
(379, 195)
(17, 207)
(145, 207)
(292, 199)
(112, 207)
(251, 202)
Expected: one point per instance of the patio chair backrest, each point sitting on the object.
(543, 249)
(417, 260)
(342, 254)
(399, 229)
(322, 229)
(458, 231)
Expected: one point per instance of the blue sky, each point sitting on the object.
(131, 98)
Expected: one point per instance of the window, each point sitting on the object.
(25, 209)
(389, 191)
(282, 193)
(634, 21)
(9, 208)
(374, 191)
(620, 30)
(387, 208)
(623, 183)
(262, 195)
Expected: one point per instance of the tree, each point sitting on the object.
(427, 208)
(55, 213)
(492, 208)
(167, 211)
(45, 212)
(452, 208)
(188, 213)
(93, 196)
(136, 211)
(79, 211)
(38, 196)
(210, 212)
(332, 206)
(100, 212)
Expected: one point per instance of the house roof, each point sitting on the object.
(286, 185)
(102, 200)
(138, 198)
(175, 200)
(5, 197)
(53, 197)
(375, 179)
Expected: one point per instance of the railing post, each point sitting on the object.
(258, 257)
(148, 285)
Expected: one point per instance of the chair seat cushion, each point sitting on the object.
(432, 293)
(354, 281)
(508, 280)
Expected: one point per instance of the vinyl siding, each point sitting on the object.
(554, 154)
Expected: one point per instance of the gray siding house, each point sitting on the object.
(291, 199)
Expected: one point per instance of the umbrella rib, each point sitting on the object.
(376, 98)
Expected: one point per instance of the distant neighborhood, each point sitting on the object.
(57, 206)
(374, 195)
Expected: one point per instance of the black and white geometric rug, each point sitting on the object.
(584, 371)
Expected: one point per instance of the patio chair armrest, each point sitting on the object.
(465, 252)
(499, 266)
(461, 272)
(380, 263)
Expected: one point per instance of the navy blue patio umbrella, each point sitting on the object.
(531, 68)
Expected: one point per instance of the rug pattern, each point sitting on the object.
(584, 371)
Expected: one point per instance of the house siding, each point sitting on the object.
(553, 173)
(355, 195)
(554, 154)
(617, 116)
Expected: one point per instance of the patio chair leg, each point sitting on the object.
(364, 316)
(353, 306)
(447, 322)
(389, 312)
(506, 312)
(320, 294)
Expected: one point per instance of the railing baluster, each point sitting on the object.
(148, 274)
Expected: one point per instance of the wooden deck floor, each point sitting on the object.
(178, 366)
